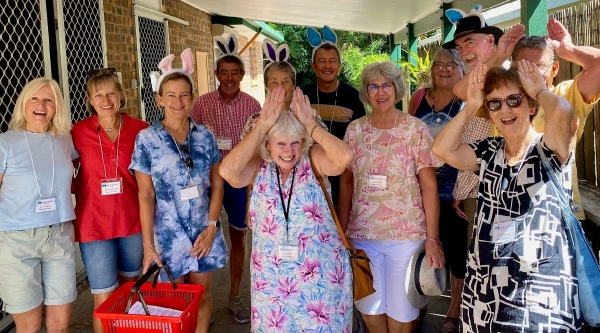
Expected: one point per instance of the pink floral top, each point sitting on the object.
(396, 211)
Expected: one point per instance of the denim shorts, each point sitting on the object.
(37, 265)
(234, 202)
(103, 260)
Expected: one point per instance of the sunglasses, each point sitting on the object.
(495, 104)
(101, 71)
(188, 160)
(448, 66)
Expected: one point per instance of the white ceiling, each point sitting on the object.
(371, 16)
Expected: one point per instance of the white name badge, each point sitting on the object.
(111, 186)
(288, 252)
(377, 181)
(189, 192)
(45, 205)
(503, 232)
(224, 144)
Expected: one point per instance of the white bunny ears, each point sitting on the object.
(274, 53)
(454, 14)
(165, 66)
(227, 47)
(314, 38)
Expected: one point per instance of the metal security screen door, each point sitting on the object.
(83, 50)
(152, 48)
(22, 56)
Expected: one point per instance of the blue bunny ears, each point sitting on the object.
(454, 15)
(227, 47)
(314, 38)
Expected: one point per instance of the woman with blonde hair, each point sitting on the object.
(36, 236)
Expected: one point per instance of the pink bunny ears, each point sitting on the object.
(165, 66)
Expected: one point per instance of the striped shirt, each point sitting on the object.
(466, 181)
(227, 118)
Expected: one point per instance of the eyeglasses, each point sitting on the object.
(495, 104)
(386, 87)
(448, 66)
(188, 160)
(101, 71)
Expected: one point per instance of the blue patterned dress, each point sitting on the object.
(177, 222)
(314, 293)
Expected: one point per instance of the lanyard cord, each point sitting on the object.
(334, 105)
(286, 212)
(181, 157)
(389, 142)
(102, 150)
(33, 166)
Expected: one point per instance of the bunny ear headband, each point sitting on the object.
(471, 23)
(165, 66)
(227, 47)
(274, 53)
(314, 38)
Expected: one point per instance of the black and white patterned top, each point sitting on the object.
(520, 271)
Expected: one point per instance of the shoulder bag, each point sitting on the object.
(362, 278)
(587, 269)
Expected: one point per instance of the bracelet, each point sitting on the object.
(539, 92)
(433, 240)
(313, 129)
(462, 122)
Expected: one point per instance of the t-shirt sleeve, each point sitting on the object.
(3, 156)
(215, 154)
(424, 155)
(140, 160)
(481, 149)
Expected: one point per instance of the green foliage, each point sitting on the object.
(418, 74)
(358, 50)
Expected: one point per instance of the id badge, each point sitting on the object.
(45, 205)
(288, 252)
(377, 181)
(224, 144)
(189, 192)
(111, 186)
(503, 232)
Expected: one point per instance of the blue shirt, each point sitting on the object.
(19, 191)
(177, 222)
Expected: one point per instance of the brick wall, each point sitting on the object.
(253, 83)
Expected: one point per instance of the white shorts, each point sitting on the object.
(390, 259)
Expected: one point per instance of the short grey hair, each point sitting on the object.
(283, 66)
(289, 127)
(386, 70)
(451, 54)
(536, 43)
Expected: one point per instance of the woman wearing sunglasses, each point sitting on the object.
(519, 271)
(108, 225)
(388, 198)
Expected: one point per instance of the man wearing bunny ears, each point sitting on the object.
(225, 111)
(337, 103)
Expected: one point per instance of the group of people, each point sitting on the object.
(153, 193)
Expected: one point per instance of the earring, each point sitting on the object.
(532, 112)
(491, 121)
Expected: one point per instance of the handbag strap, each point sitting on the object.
(560, 191)
(345, 240)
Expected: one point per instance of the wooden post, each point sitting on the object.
(250, 41)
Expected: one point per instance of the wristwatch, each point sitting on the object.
(216, 223)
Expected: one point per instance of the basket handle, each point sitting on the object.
(154, 269)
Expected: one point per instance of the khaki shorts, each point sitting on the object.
(37, 265)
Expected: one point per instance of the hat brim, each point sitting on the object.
(488, 30)
(414, 298)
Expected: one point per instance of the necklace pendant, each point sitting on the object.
(438, 120)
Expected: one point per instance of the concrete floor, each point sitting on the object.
(224, 321)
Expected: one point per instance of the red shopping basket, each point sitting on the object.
(183, 297)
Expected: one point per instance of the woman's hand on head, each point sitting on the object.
(272, 107)
(531, 78)
(302, 109)
(476, 79)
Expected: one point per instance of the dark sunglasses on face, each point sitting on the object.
(188, 160)
(448, 66)
(495, 104)
(386, 87)
(101, 71)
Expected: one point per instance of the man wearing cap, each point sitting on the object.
(337, 103)
(225, 112)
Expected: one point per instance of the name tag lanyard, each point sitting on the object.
(102, 151)
(37, 183)
(334, 105)
(181, 156)
(286, 212)
(388, 144)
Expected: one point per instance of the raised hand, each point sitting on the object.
(531, 78)
(476, 80)
(508, 41)
(559, 36)
(272, 107)
(302, 109)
